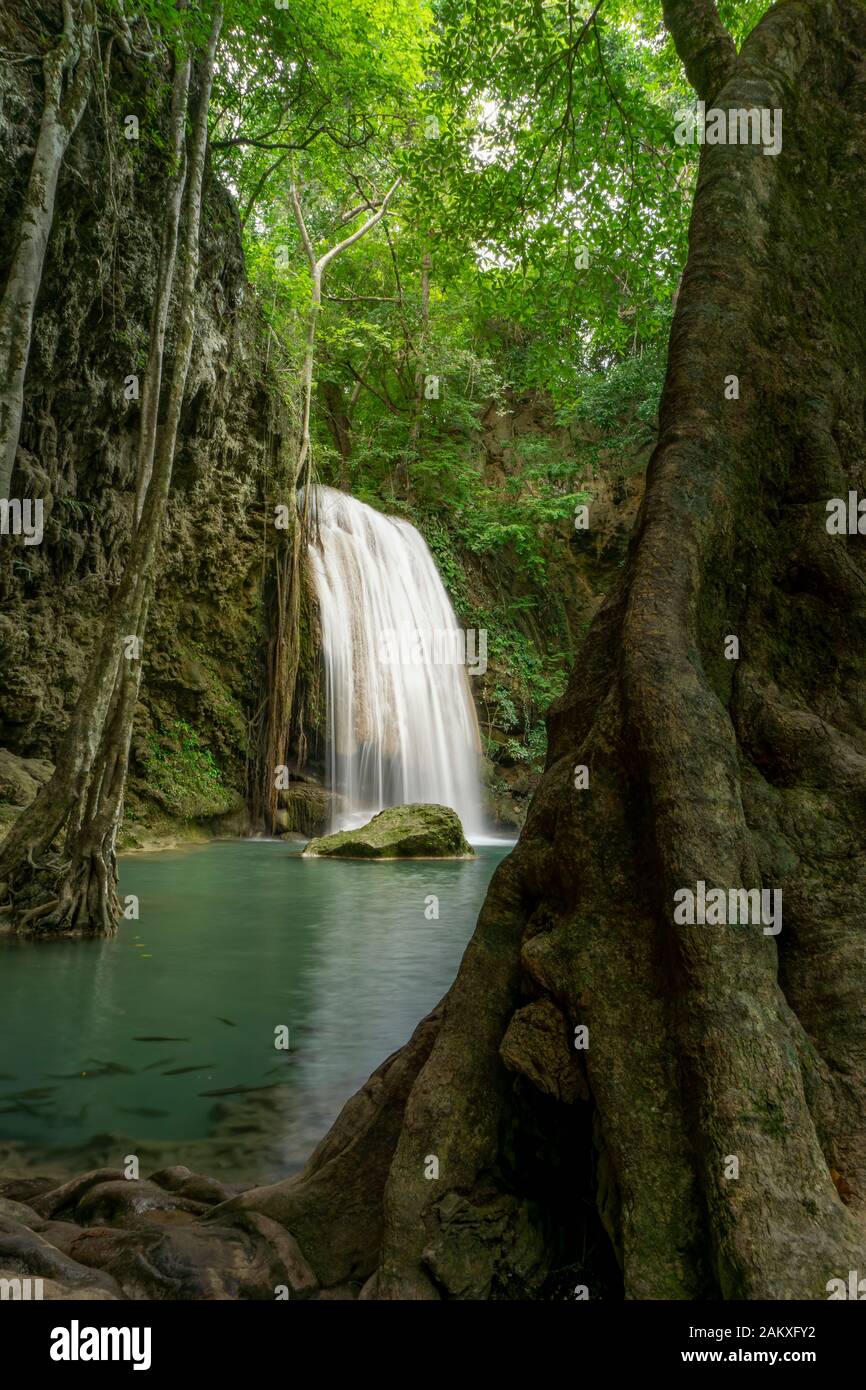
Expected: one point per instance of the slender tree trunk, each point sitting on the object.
(80, 896)
(318, 266)
(88, 902)
(67, 74)
(284, 649)
(283, 659)
(714, 1113)
(339, 424)
(89, 889)
(152, 384)
(302, 468)
(418, 406)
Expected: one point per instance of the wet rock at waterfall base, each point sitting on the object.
(400, 832)
(303, 807)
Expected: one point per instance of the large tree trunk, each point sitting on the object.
(67, 75)
(706, 1044)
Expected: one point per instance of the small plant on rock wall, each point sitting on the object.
(532, 749)
(505, 711)
(182, 772)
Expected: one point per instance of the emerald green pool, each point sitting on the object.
(110, 1043)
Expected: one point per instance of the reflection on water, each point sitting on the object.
(166, 1035)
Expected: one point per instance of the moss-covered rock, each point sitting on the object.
(400, 832)
(185, 779)
(304, 807)
(21, 778)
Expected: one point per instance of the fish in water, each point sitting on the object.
(111, 1068)
(158, 1037)
(38, 1093)
(181, 1071)
(143, 1111)
(227, 1021)
(235, 1091)
(163, 1062)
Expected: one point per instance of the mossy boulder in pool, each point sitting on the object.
(400, 832)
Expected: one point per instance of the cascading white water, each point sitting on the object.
(401, 722)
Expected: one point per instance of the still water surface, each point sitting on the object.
(235, 938)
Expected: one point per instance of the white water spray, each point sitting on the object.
(401, 722)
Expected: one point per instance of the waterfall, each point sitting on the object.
(401, 723)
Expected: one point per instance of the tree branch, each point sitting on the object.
(363, 229)
(353, 212)
(302, 226)
(362, 298)
(263, 144)
(386, 401)
(708, 52)
(254, 196)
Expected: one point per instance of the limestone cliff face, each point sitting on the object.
(203, 654)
